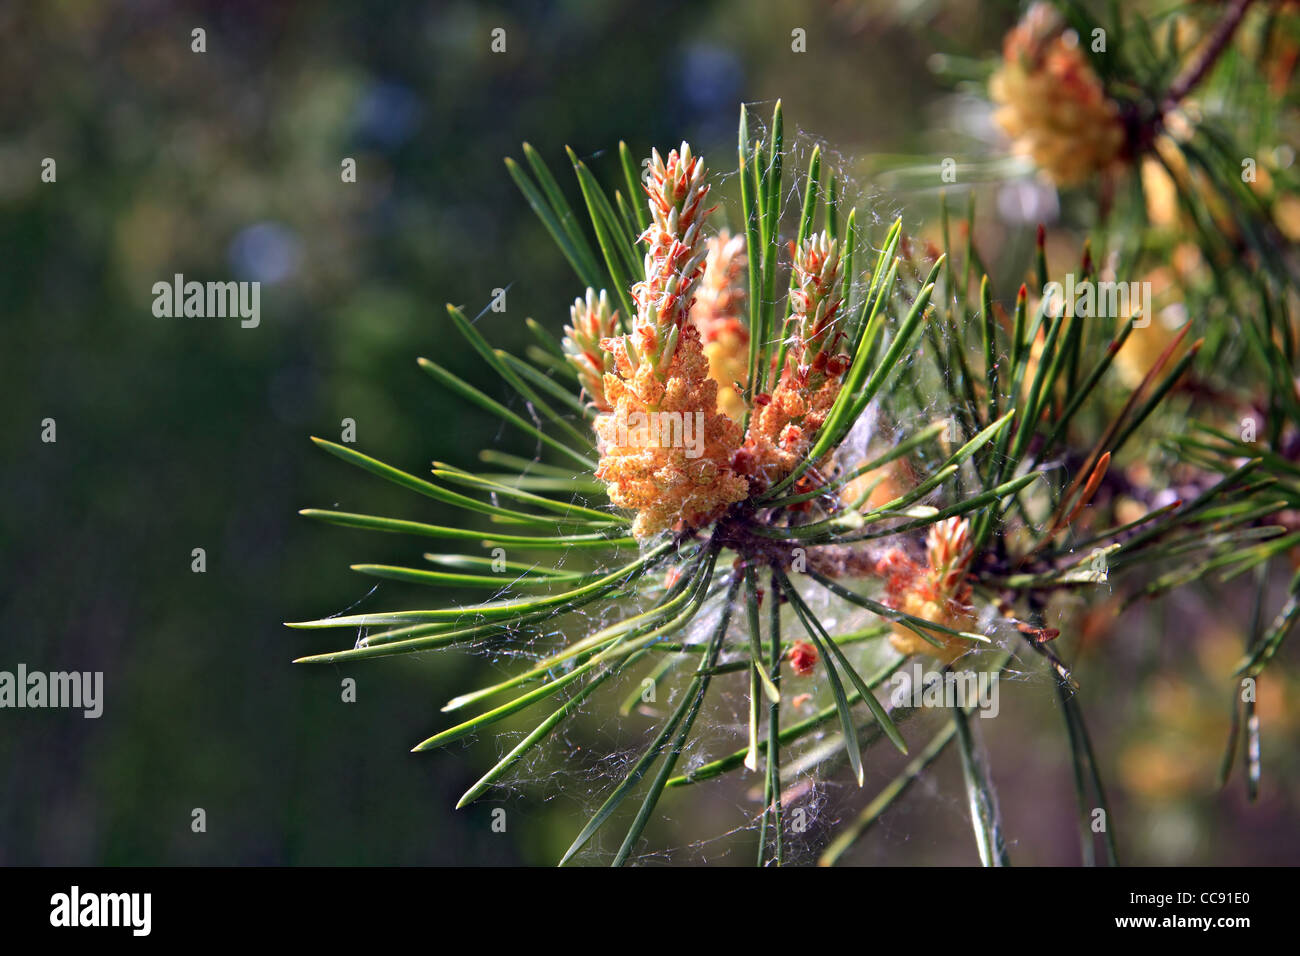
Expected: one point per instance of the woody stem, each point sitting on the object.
(1198, 68)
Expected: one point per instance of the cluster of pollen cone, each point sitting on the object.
(1052, 103)
(685, 354)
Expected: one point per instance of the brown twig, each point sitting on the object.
(1198, 68)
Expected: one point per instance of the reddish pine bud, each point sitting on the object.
(803, 658)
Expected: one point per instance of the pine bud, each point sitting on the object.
(585, 343)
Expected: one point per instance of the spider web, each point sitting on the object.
(588, 754)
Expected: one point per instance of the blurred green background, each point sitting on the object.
(182, 433)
